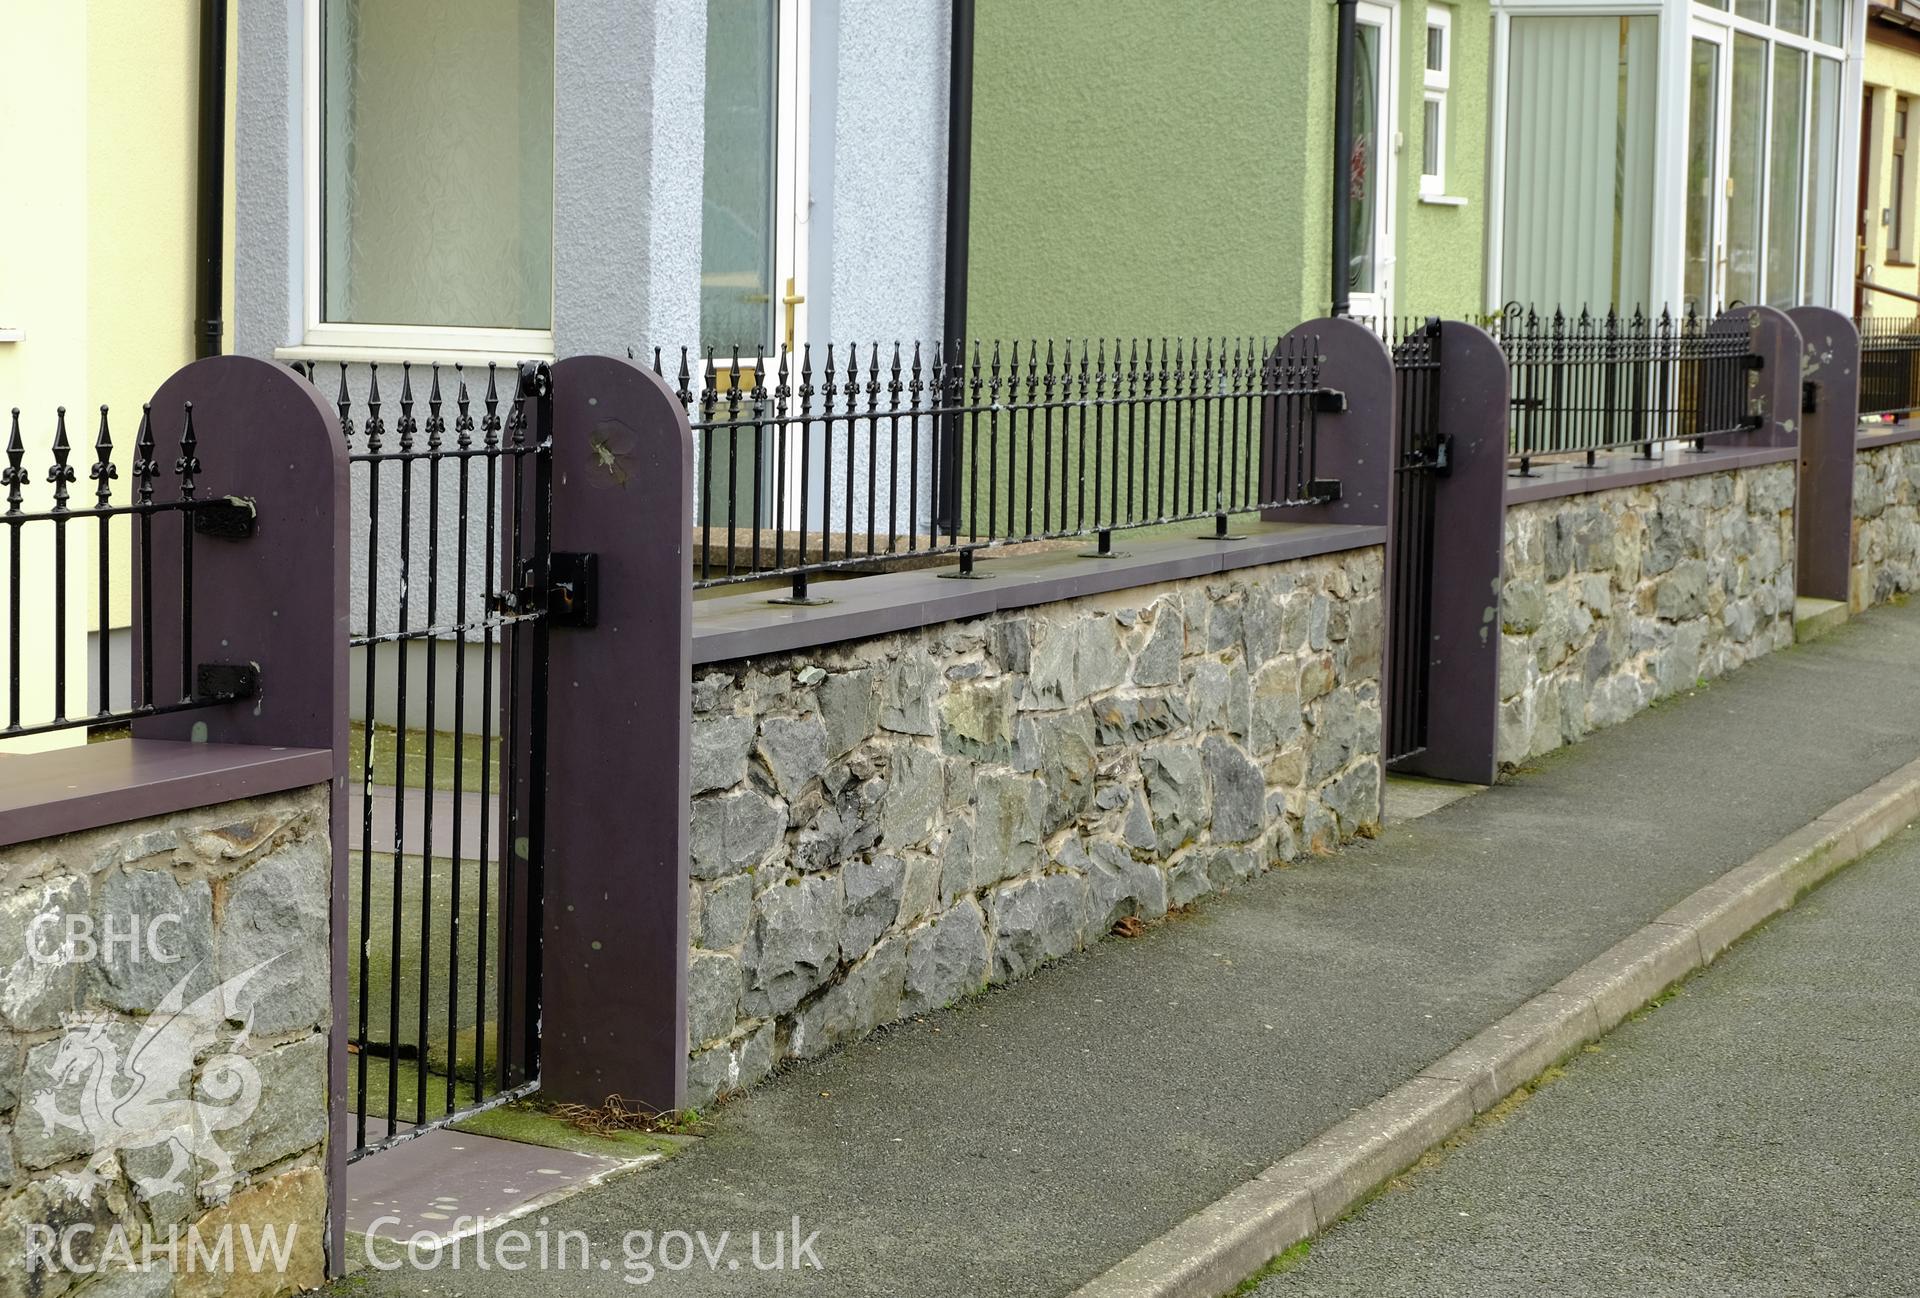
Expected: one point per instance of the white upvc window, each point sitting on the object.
(428, 179)
(1433, 126)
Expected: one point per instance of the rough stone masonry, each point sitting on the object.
(131, 1096)
(1618, 598)
(1886, 524)
(881, 827)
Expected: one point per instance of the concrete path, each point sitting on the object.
(1755, 1135)
(1025, 1141)
(469, 809)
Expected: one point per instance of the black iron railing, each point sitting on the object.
(155, 688)
(809, 466)
(1889, 366)
(451, 520)
(1591, 383)
(1422, 456)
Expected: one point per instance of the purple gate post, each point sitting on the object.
(276, 601)
(1823, 520)
(1356, 444)
(1468, 555)
(614, 972)
(1775, 387)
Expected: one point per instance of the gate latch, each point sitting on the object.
(1443, 455)
(573, 589)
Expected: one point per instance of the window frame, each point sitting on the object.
(343, 340)
(1434, 88)
(1900, 177)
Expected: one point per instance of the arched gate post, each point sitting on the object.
(613, 1011)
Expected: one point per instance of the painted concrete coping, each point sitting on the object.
(1907, 430)
(746, 625)
(65, 790)
(1618, 469)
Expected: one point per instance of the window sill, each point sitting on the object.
(11, 335)
(331, 353)
(1443, 200)
(1897, 261)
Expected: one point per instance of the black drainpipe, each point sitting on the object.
(959, 209)
(1343, 155)
(210, 206)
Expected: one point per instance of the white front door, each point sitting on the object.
(1370, 172)
(754, 245)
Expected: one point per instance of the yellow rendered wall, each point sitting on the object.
(97, 136)
(1889, 73)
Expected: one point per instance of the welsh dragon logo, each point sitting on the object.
(180, 1081)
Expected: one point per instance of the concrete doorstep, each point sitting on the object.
(1308, 1191)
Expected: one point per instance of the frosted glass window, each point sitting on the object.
(1578, 223)
(436, 122)
(1829, 21)
(1746, 167)
(1702, 141)
(1784, 175)
(737, 207)
(1823, 160)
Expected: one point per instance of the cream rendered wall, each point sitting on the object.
(1890, 72)
(97, 106)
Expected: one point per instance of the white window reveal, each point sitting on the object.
(1433, 126)
(429, 143)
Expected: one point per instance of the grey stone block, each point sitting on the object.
(292, 1113)
(868, 995)
(273, 932)
(43, 976)
(946, 959)
(795, 750)
(1176, 793)
(1237, 792)
(1008, 812)
(849, 705)
(795, 943)
(1035, 922)
(873, 891)
(733, 832)
(718, 756)
(713, 996)
(725, 910)
(171, 928)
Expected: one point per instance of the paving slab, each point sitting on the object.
(1027, 1140)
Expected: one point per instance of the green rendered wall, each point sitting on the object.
(1144, 168)
(1443, 248)
(1150, 168)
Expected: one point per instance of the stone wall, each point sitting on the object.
(1886, 526)
(130, 959)
(882, 827)
(1617, 598)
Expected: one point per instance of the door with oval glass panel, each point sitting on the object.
(753, 262)
(1371, 166)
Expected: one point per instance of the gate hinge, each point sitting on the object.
(1755, 361)
(573, 589)
(1809, 397)
(1329, 401)
(225, 682)
(230, 519)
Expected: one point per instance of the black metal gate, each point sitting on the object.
(1422, 459)
(452, 558)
